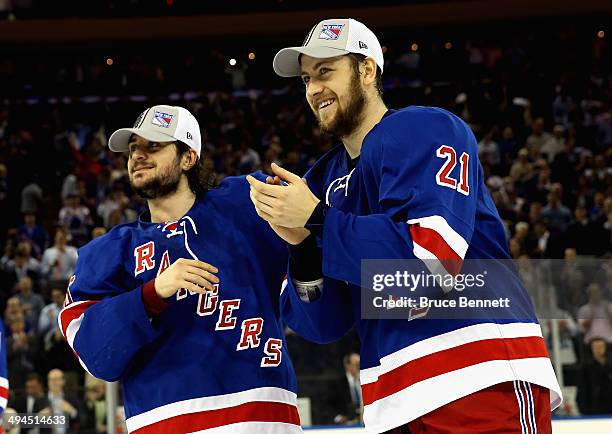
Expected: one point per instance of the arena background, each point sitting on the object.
(532, 78)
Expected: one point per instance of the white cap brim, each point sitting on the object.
(120, 139)
(286, 62)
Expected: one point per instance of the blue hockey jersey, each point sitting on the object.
(214, 362)
(417, 192)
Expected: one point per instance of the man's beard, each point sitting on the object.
(162, 185)
(346, 121)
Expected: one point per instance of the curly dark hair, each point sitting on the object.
(199, 178)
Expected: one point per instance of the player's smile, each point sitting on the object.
(326, 103)
(141, 169)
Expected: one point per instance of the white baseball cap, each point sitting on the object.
(330, 38)
(160, 123)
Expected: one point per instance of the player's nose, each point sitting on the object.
(314, 88)
(138, 154)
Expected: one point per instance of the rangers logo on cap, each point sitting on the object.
(162, 119)
(331, 31)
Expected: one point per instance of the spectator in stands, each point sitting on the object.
(584, 235)
(525, 236)
(535, 213)
(59, 260)
(551, 148)
(76, 218)
(69, 185)
(61, 403)
(570, 283)
(488, 148)
(56, 353)
(47, 321)
(598, 211)
(604, 278)
(521, 170)
(121, 215)
(22, 351)
(507, 147)
(33, 233)
(537, 188)
(595, 317)
(555, 212)
(13, 310)
(31, 303)
(583, 194)
(594, 394)
(598, 174)
(568, 333)
(93, 418)
(515, 248)
(34, 401)
(118, 171)
(116, 200)
(538, 137)
(549, 243)
(32, 197)
(98, 231)
(23, 265)
(250, 161)
(345, 395)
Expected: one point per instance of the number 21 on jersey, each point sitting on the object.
(443, 177)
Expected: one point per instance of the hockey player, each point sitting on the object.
(404, 184)
(182, 306)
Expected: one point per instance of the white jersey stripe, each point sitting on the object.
(446, 341)
(265, 394)
(254, 427)
(71, 332)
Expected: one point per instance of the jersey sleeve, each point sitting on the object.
(4, 383)
(425, 169)
(323, 320)
(104, 318)
(329, 317)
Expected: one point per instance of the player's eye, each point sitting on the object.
(305, 79)
(323, 71)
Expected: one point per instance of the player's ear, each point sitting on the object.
(368, 68)
(189, 159)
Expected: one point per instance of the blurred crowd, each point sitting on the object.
(32, 9)
(544, 131)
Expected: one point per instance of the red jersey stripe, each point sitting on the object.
(72, 312)
(452, 359)
(260, 411)
(432, 241)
